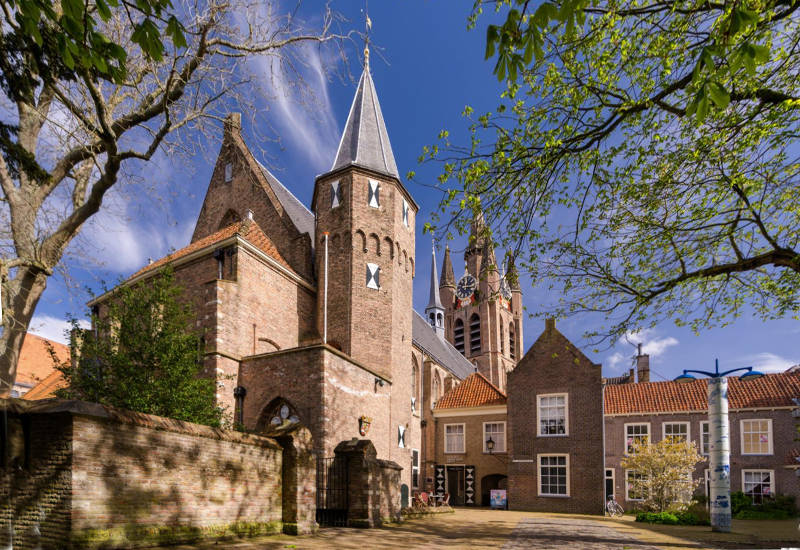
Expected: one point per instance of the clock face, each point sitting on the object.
(466, 286)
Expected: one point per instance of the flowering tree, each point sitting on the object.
(661, 473)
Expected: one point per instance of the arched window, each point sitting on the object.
(458, 335)
(502, 340)
(439, 320)
(432, 319)
(435, 390)
(511, 343)
(475, 334)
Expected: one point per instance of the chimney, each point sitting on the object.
(642, 365)
(549, 324)
(631, 376)
(249, 215)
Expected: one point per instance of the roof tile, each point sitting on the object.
(771, 390)
(35, 363)
(474, 391)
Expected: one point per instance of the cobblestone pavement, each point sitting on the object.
(532, 533)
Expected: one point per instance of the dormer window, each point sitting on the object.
(336, 194)
(373, 194)
(228, 172)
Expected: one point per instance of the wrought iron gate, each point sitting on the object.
(332, 497)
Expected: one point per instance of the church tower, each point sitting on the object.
(367, 216)
(483, 308)
(435, 310)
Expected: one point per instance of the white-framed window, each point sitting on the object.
(228, 172)
(454, 438)
(758, 484)
(553, 414)
(704, 437)
(756, 436)
(336, 194)
(405, 213)
(497, 431)
(373, 276)
(374, 194)
(676, 430)
(631, 491)
(553, 475)
(636, 433)
(414, 468)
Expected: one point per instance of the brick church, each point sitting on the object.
(307, 315)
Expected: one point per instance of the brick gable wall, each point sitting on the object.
(555, 365)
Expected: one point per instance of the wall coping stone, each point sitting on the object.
(103, 412)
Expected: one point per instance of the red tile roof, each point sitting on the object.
(474, 391)
(771, 390)
(247, 229)
(47, 387)
(35, 363)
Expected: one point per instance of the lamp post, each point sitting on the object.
(490, 444)
(719, 440)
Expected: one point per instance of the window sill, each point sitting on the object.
(495, 452)
(757, 454)
(455, 452)
(553, 435)
(553, 496)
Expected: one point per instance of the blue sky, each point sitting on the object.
(426, 68)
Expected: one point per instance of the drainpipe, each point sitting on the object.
(603, 416)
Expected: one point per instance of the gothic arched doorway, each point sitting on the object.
(492, 481)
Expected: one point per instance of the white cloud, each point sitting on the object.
(652, 345)
(300, 103)
(768, 362)
(53, 328)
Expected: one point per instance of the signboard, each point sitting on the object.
(498, 499)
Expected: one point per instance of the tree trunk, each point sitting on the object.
(20, 296)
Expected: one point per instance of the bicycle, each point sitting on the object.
(613, 508)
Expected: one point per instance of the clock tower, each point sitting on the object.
(483, 308)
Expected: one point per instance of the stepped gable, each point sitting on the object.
(425, 338)
(771, 390)
(475, 391)
(247, 229)
(365, 141)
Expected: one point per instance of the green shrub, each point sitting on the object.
(779, 507)
(657, 517)
(667, 518)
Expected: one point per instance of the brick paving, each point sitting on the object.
(575, 534)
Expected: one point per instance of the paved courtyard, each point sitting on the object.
(481, 528)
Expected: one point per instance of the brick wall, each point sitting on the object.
(553, 365)
(97, 477)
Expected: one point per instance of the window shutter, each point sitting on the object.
(336, 196)
(373, 194)
(405, 212)
(373, 276)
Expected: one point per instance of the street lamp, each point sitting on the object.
(490, 444)
(719, 440)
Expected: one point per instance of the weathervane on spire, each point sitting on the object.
(368, 28)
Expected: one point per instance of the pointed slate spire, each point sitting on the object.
(448, 277)
(434, 300)
(365, 141)
(435, 309)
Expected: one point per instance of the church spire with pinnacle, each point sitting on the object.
(435, 310)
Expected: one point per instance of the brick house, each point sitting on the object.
(465, 419)
(762, 430)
